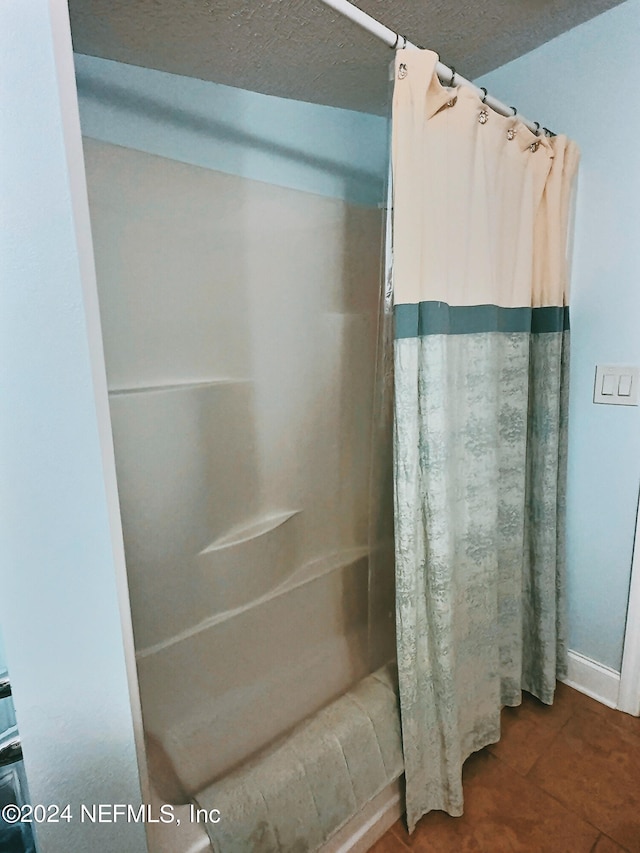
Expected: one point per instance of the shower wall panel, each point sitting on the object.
(240, 323)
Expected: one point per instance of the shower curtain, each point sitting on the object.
(480, 271)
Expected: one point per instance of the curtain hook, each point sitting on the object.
(453, 76)
(515, 111)
(395, 44)
(537, 124)
(484, 98)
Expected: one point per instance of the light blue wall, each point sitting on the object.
(583, 84)
(3, 654)
(60, 613)
(324, 150)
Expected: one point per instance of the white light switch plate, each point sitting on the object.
(616, 385)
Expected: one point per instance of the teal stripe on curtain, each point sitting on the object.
(439, 318)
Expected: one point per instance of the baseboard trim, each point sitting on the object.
(369, 825)
(629, 698)
(594, 679)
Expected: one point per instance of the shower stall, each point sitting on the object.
(244, 328)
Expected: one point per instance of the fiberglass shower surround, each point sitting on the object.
(242, 408)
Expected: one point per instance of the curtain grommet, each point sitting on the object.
(483, 116)
(402, 71)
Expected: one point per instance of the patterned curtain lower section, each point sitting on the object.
(480, 456)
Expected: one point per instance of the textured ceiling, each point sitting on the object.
(302, 49)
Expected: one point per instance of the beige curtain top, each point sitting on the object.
(459, 167)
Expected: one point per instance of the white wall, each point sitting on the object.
(61, 567)
(582, 84)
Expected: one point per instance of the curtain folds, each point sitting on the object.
(480, 273)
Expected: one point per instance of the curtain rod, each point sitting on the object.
(446, 74)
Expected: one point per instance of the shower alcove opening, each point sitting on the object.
(243, 326)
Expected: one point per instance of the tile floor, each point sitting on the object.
(563, 779)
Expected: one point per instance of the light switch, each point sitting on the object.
(609, 384)
(616, 385)
(624, 385)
